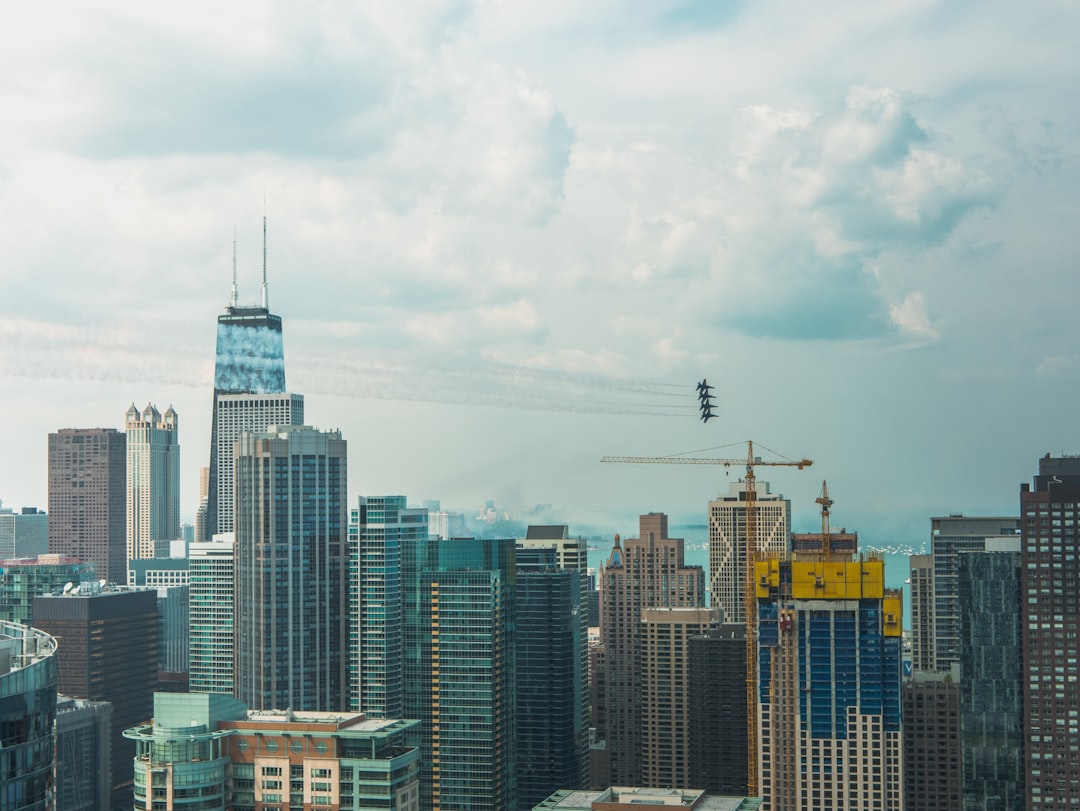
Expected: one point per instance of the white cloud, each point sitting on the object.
(912, 318)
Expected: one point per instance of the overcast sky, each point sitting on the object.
(507, 238)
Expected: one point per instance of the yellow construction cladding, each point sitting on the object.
(892, 607)
(826, 580)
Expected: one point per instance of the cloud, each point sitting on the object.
(911, 318)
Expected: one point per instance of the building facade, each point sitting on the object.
(87, 502)
(932, 742)
(107, 652)
(551, 684)
(991, 691)
(665, 681)
(153, 481)
(237, 414)
(290, 598)
(717, 685)
(210, 751)
(211, 615)
(829, 672)
(460, 669)
(727, 543)
(921, 575)
(1050, 615)
(83, 767)
(644, 572)
(28, 675)
(250, 358)
(949, 536)
(377, 528)
(23, 580)
(23, 534)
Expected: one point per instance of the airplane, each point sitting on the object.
(704, 388)
(706, 415)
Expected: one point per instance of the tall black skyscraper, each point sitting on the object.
(250, 359)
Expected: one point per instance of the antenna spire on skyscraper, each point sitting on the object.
(233, 297)
(265, 297)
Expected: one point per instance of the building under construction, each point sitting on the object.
(828, 676)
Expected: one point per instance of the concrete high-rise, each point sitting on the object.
(153, 481)
(107, 652)
(210, 614)
(87, 505)
(932, 742)
(290, 599)
(718, 730)
(1050, 621)
(727, 543)
(237, 414)
(377, 528)
(949, 536)
(991, 691)
(921, 569)
(644, 572)
(665, 681)
(459, 669)
(829, 669)
(250, 358)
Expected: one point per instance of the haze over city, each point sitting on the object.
(507, 239)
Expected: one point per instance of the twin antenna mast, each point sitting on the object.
(234, 295)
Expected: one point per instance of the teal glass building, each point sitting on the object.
(28, 674)
(377, 528)
(459, 668)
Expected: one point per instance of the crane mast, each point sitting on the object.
(749, 599)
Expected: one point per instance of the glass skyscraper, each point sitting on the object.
(459, 644)
(991, 699)
(377, 528)
(250, 358)
(290, 602)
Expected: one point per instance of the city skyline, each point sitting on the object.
(512, 233)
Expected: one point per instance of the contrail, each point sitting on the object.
(47, 350)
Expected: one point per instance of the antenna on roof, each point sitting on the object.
(232, 300)
(265, 298)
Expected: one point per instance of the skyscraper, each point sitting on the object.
(459, 643)
(645, 572)
(717, 677)
(239, 413)
(921, 569)
(23, 534)
(107, 652)
(290, 601)
(665, 682)
(250, 358)
(991, 692)
(87, 473)
(727, 543)
(28, 669)
(1050, 616)
(153, 481)
(829, 684)
(932, 742)
(949, 536)
(551, 685)
(377, 528)
(210, 613)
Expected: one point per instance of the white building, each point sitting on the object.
(153, 482)
(727, 543)
(237, 413)
(210, 615)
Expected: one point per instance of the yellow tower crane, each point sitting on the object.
(749, 600)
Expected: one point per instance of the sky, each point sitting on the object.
(508, 238)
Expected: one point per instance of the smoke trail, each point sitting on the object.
(47, 350)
